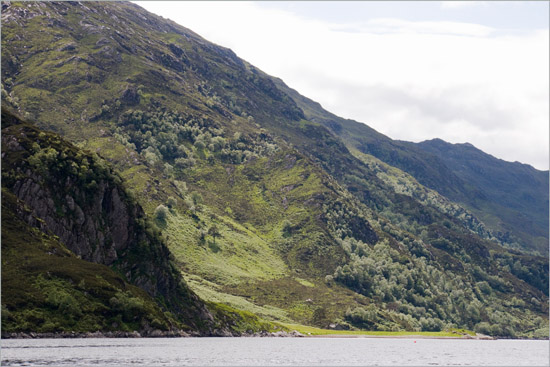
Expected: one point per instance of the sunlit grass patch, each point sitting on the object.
(310, 330)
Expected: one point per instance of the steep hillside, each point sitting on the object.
(78, 251)
(77, 202)
(511, 199)
(263, 208)
(46, 288)
(519, 190)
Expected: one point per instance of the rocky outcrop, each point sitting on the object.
(77, 197)
(99, 231)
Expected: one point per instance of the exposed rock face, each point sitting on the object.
(97, 238)
(76, 196)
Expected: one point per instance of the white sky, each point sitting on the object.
(474, 72)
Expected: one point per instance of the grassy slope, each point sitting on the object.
(46, 288)
(254, 263)
(313, 331)
(279, 215)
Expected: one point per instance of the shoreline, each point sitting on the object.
(152, 334)
(221, 333)
(459, 337)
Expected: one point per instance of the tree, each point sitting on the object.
(287, 228)
(214, 232)
(161, 212)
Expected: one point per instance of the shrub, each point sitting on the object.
(64, 302)
(181, 186)
(161, 212)
(363, 316)
(171, 202)
(196, 198)
(541, 333)
(129, 306)
(483, 328)
(287, 228)
(484, 287)
(168, 169)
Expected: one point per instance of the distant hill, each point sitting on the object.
(516, 194)
(510, 198)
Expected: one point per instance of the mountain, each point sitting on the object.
(78, 252)
(266, 209)
(74, 209)
(510, 198)
(519, 192)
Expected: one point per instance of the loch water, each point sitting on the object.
(273, 352)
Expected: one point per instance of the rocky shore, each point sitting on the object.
(216, 333)
(149, 334)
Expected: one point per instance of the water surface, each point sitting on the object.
(273, 352)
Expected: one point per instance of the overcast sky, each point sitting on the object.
(474, 72)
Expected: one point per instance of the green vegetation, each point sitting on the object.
(309, 330)
(516, 213)
(212, 292)
(271, 208)
(46, 288)
(242, 321)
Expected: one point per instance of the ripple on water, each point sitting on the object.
(271, 352)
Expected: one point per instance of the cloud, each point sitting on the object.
(461, 4)
(392, 25)
(461, 82)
